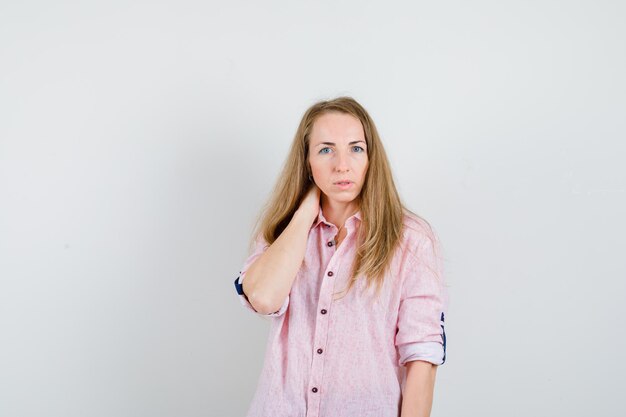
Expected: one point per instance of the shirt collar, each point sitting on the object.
(322, 219)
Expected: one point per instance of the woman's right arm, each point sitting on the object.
(269, 279)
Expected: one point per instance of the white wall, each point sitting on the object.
(139, 139)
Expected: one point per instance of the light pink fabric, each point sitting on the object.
(350, 361)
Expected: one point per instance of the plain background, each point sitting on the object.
(138, 141)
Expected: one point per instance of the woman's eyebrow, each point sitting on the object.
(333, 143)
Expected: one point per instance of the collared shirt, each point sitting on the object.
(332, 354)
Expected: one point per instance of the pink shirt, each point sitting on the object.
(331, 357)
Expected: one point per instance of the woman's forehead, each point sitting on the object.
(336, 128)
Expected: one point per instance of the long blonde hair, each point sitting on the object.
(382, 211)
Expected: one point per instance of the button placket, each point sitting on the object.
(330, 243)
(329, 277)
(321, 335)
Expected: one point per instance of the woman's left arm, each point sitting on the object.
(417, 398)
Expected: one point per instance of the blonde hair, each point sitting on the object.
(381, 228)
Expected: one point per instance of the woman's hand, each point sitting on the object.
(310, 205)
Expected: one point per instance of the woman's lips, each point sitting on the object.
(344, 185)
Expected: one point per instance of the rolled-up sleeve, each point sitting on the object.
(260, 246)
(420, 331)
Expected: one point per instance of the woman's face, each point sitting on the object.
(338, 152)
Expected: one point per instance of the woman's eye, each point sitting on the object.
(360, 149)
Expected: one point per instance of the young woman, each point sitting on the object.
(333, 230)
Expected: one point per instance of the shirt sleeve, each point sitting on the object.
(260, 246)
(420, 333)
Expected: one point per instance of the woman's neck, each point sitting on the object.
(338, 213)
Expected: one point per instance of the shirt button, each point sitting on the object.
(319, 350)
(330, 273)
(330, 243)
(314, 389)
(323, 311)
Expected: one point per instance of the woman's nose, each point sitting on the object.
(342, 162)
